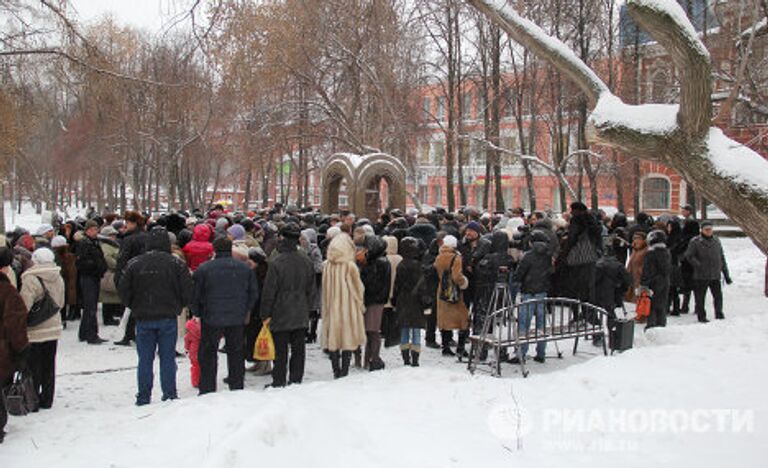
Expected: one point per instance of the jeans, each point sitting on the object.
(410, 338)
(156, 336)
(208, 357)
(525, 318)
(89, 325)
(700, 294)
(297, 341)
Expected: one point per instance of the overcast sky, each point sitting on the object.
(151, 15)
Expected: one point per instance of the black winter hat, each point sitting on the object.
(222, 244)
(578, 206)
(291, 231)
(656, 237)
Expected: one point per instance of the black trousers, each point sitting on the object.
(89, 325)
(659, 309)
(208, 357)
(112, 313)
(296, 339)
(42, 364)
(700, 294)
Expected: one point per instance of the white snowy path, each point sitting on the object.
(433, 416)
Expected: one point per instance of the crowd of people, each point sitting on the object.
(353, 283)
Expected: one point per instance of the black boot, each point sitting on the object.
(414, 358)
(346, 357)
(445, 339)
(460, 348)
(334, 355)
(406, 357)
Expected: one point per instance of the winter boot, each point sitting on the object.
(335, 364)
(406, 357)
(346, 356)
(446, 342)
(414, 358)
(358, 359)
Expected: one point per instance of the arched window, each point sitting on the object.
(656, 193)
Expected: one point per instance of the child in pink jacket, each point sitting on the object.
(192, 344)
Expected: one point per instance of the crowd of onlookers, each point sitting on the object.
(352, 283)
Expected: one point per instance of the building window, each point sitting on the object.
(427, 108)
(438, 152)
(440, 108)
(438, 195)
(509, 197)
(656, 193)
(466, 106)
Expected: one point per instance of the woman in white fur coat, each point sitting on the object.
(343, 327)
(43, 338)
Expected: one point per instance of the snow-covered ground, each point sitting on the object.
(688, 395)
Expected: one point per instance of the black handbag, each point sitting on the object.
(43, 309)
(20, 396)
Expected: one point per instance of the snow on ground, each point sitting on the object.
(583, 410)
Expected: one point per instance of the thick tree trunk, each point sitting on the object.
(685, 149)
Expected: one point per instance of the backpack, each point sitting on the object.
(43, 309)
(449, 290)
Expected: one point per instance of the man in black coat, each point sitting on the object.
(494, 267)
(657, 267)
(225, 292)
(705, 254)
(132, 244)
(91, 266)
(288, 296)
(156, 286)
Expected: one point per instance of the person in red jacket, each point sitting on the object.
(199, 250)
(192, 345)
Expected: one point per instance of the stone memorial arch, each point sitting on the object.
(362, 175)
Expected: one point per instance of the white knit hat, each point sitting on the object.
(450, 241)
(42, 256)
(58, 241)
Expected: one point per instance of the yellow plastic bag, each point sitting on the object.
(264, 348)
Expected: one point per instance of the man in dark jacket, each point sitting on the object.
(657, 268)
(289, 292)
(611, 282)
(225, 292)
(91, 266)
(156, 286)
(706, 256)
(132, 244)
(495, 267)
(534, 274)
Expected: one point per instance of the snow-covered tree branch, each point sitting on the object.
(730, 174)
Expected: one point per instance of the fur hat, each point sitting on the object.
(134, 217)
